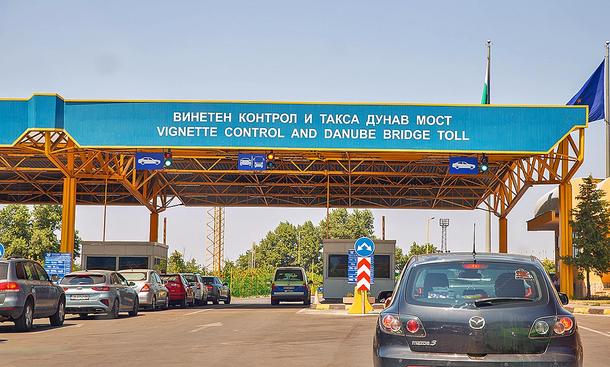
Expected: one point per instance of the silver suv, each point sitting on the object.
(27, 293)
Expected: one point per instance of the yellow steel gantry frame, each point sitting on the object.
(46, 166)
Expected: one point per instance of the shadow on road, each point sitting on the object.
(8, 328)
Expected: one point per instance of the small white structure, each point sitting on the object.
(335, 256)
(121, 255)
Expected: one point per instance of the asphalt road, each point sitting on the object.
(247, 333)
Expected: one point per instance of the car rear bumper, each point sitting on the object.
(145, 298)
(101, 309)
(8, 313)
(293, 296)
(11, 306)
(396, 355)
(92, 305)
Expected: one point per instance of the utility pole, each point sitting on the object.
(444, 223)
(428, 230)
(488, 216)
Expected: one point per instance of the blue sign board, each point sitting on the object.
(276, 126)
(57, 264)
(352, 267)
(149, 161)
(251, 162)
(463, 165)
(364, 247)
(1, 250)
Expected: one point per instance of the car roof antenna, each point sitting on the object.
(474, 243)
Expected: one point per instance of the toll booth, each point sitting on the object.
(335, 255)
(121, 255)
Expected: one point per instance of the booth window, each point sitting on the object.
(101, 263)
(382, 266)
(133, 262)
(337, 266)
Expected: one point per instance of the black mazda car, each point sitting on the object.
(466, 309)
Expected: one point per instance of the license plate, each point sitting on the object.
(288, 289)
(79, 297)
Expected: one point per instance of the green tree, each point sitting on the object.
(416, 249)
(590, 224)
(549, 265)
(400, 260)
(192, 266)
(342, 224)
(175, 263)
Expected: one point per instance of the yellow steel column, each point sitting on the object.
(503, 235)
(566, 272)
(68, 215)
(153, 236)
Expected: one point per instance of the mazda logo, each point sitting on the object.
(476, 322)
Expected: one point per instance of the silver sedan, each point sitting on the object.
(99, 292)
(152, 293)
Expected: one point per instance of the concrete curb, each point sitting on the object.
(588, 310)
(339, 306)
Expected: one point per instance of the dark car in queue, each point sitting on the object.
(217, 290)
(464, 309)
(180, 293)
(27, 293)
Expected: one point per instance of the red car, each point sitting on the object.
(179, 291)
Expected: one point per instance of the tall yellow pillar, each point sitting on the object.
(153, 236)
(68, 215)
(503, 235)
(566, 272)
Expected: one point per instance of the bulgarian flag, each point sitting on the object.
(485, 98)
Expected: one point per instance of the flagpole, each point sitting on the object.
(488, 216)
(607, 109)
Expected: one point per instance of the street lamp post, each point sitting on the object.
(428, 230)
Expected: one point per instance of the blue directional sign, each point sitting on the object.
(463, 165)
(251, 162)
(149, 161)
(57, 264)
(1, 250)
(352, 267)
(364, 247)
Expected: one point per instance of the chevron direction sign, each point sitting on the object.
(363, 276)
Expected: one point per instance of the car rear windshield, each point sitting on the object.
(208, 280)
(171, 278)
(134, 276)
(191, 278)
(83, 279)
(3, 270)
(460, 284)
(288, 274)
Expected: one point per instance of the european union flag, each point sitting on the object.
(592, 94)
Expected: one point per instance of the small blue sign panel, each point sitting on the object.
(149, 161)
(364, 247)
(251, 162)
(1, 250)
(352, 266)
(463, 165)
(57, 264)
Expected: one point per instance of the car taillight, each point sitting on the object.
(145, 288)
(209, 287)
(101, 289)
(66, 289)
(9, 287)
(552, 327)
(401, 325)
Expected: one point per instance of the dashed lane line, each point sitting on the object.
(593, 330)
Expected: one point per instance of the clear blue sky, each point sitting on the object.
(407, 51)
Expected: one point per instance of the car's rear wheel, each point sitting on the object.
(274, 302)
(114, 311)
(26, 320)
(183, 303)
(58, 318)
(167, 302)
(228, 300)
(136, 308)
(307, 302)
(154, 303)
(215, 301)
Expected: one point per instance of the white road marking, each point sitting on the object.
(202, 327)
(58, 328)
(593, 331)
(196, 312)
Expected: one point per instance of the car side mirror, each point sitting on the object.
(131, 284)
(225, 284)
(564, 298)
